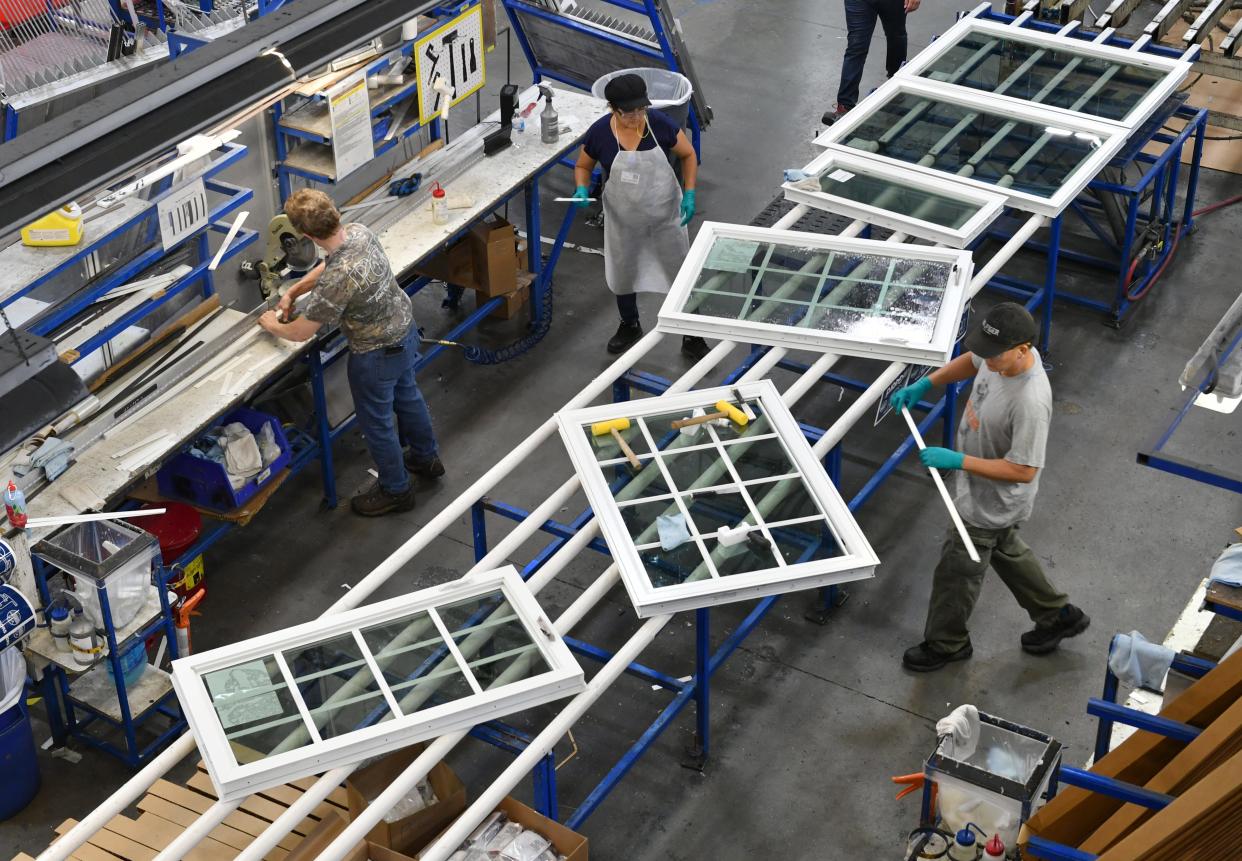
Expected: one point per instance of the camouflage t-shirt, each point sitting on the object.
(357, 290)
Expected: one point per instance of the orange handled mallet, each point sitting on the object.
(614, 427)
(724, 410)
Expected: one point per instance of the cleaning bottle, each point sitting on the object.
(62, 227)
(439, 205)
(994, 849)
(964, 847)
(58, 624)
(549, 120)
(15, 506)
(83, 639)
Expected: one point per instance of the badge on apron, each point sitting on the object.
(630, 176)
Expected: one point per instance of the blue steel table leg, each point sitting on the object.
(479, 529)
(1050, 283)
(534, 251)
(950, 413)
(696, 754)
(545, 787)
(51, 703)
(324, 429)
(1104, 732)
(1192, 184)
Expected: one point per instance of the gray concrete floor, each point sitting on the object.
(808, 722)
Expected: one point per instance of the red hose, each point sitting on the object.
(1212, 207)
(1177, 236)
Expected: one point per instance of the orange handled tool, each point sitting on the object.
(724, 410)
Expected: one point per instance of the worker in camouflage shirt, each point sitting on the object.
(354, 288)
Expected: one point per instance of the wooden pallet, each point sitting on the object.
(168, 808)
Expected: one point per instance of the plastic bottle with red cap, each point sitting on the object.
(439, 205)
(994, 848)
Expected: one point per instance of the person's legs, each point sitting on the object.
(631, 329)
(373, 379)
(860, 18)
(955, 589)
(1049, 608)
(892, 14)
(627, 306)
(413, 417)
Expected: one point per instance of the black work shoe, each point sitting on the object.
(376, 501)
(1043, 639)
(694, 347)
(924, 657)
(835, 114)
(627, 336)
(423, 468)
(596, 221)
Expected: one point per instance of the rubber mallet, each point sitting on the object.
(614, 427)
(724, 410)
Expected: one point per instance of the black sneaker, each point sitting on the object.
(835, 114)
(627, 336)
(423, 468)
(1043, 639)
(596, 221)
(376, 501)
(694, 347)
(924, 657)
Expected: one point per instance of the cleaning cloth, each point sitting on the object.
(1228, 566)
(241, 452)
(1138, 662)
(962, 727)
(673, 531)
(52, 457)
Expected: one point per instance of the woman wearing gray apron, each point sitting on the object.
(645, 210)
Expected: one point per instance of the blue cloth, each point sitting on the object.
(601, 144)
(382, 384)
(793, 174)
(1227, 568)
(1139, 663)
(673, 531)
(860, 18)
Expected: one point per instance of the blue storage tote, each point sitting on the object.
(206, 483)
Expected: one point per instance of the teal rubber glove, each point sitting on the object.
(910, 395)
(580, 197)
(687, 206)
(941, 458)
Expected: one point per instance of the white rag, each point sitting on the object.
(241, 452)
(1227, 568)
(962, 727)
(1139, 663)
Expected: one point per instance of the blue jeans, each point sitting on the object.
(860, 18)
(383, 385)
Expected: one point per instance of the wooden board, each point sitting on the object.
(226, 834)
(263, 807)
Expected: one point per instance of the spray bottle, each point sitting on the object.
(15, 505)
(549, 120)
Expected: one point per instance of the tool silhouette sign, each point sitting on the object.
(452, 53)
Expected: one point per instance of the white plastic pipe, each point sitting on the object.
(944, 491)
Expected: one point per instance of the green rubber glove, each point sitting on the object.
(580, 197)
(910, 395)
(687, 206)
(941, 458)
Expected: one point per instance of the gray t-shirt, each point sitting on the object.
(1005, 417)
(357, 290)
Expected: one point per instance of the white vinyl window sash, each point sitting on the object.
(1039, 158)
(761, 483)
(931, 208)
(358, 684)
(857, 297)
(1080, 78)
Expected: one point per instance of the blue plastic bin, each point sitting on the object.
(18, 762)
(206, 483)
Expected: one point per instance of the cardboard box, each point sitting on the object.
(454, 265)
(416, 830)
(513, 302)
(569, 843)
(494, 251)
(328, 829)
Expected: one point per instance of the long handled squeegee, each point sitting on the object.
(944, 491)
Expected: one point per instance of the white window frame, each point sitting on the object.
(233, 780)
(1112, 137)
(857, 562)
(1175, 71)
(989, 205)
(936, 351)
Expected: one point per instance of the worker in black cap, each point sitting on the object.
(645, 209)
(1002, 434)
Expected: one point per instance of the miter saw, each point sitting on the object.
(287, 250)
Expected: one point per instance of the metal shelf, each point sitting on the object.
(312, 120)
(313, 161)
(96, 690)
(40, 642)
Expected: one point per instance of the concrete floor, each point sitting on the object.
(808, 722)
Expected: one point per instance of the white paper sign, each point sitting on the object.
(731, 255)
(350, 109)
(182, 213)
(233, 693)
(841, 175)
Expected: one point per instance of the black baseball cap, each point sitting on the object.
(1002, 328)
(627, 92)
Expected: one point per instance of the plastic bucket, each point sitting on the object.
(18, 762)
(133, 662)
(17, 617)
(669, 91)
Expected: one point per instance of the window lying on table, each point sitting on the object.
(897, 302)
(717, 512)
(353, 685)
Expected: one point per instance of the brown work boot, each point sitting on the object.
(375, 501)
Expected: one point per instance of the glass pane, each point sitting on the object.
(891, 196)
(337, 686)
(492, 639)
(255, 708)
(712, 510)
(699, 466)
(754, 554)
(1028, 157)
(763, 459)
(605, 444)
(416, 664)
(786, 499)
(640, 518)
(1103, 88)
(805, 542)
(671, 567)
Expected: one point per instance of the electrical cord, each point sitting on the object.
(538, 330)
